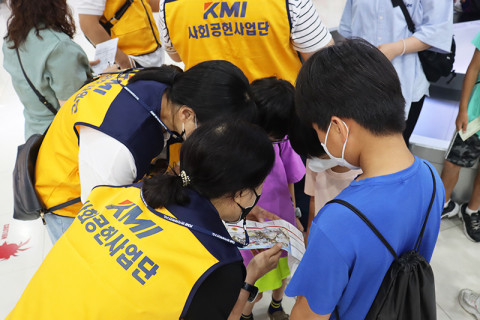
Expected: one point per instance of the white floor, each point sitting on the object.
(23, 245)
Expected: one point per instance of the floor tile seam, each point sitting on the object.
(445, 312)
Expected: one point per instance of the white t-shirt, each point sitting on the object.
(103, 160)
(96, 8)
(308, 34)
(326, 185)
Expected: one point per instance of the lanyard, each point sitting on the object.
(149, 110)
(198, 228)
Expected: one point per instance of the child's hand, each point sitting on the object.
(259, 214)
(299, 225)
(462, 121)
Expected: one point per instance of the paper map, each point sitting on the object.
(264, 235)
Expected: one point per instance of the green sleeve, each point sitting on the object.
(67, 69)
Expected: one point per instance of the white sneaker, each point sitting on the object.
(470, 301)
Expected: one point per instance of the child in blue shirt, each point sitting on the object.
(350, 94)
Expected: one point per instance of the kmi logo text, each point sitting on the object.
(220, 9)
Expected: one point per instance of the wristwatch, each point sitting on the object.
(252, 290)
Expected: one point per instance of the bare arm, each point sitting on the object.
(155, 5)
(311, 215)
(258, 266)
(306, 55)
(301, 311)
(471, 77)
(291, 189)
(395, 49)
(175, 56)
(96, 34)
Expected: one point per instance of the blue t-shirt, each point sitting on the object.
(345, 262)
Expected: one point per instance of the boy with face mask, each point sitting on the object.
(324, 179)
(350, 95)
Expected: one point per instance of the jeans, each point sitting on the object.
(57, 225)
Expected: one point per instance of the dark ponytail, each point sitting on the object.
(162, 189)
(220, 158)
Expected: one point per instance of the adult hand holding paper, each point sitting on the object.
(105, 52)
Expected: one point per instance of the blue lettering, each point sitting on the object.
(238, 9)
(234, 10)
(130, 217)
(244, 9)
(211, 11)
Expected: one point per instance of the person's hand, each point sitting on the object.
(259, 214)
(94, 62)
(391, 49)
(262, 263)
(123, 60)
(462, 121)
(300, 225)
(112, 68)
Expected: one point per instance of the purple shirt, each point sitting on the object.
(276, 198)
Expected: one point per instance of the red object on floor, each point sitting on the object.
(8, 250)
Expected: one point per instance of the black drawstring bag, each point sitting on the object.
(407, 291)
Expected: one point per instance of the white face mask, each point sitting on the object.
(320, 165)
(340, 161)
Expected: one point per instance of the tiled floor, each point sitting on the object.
(23, 245)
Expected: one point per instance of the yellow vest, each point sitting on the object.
(136, 30)
(119, 260)
(56, 174)
(254, 35)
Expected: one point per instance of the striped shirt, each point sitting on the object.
(308, 33)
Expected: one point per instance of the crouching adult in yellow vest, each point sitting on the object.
(131, 21)
(109, 132)
(159, 250)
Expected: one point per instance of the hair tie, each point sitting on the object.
(185, 178)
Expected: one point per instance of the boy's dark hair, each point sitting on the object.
(220, 158)
(304, 139)
(275, 100)
(213, 89)
(351, 80)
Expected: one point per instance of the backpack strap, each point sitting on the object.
(420, 237)
(406, 14)
(120, 12)
(42, 99)
(64, 205)
(375, 230)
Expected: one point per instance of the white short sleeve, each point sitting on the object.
(309, 34)
(102, 160)
(92, 7)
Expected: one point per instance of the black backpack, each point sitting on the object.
(407, 291)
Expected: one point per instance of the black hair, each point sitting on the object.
(212, 89)
(220, 158)
(275, 100)
(352, 80)
(304, 139)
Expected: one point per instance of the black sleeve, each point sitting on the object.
(218, 294)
